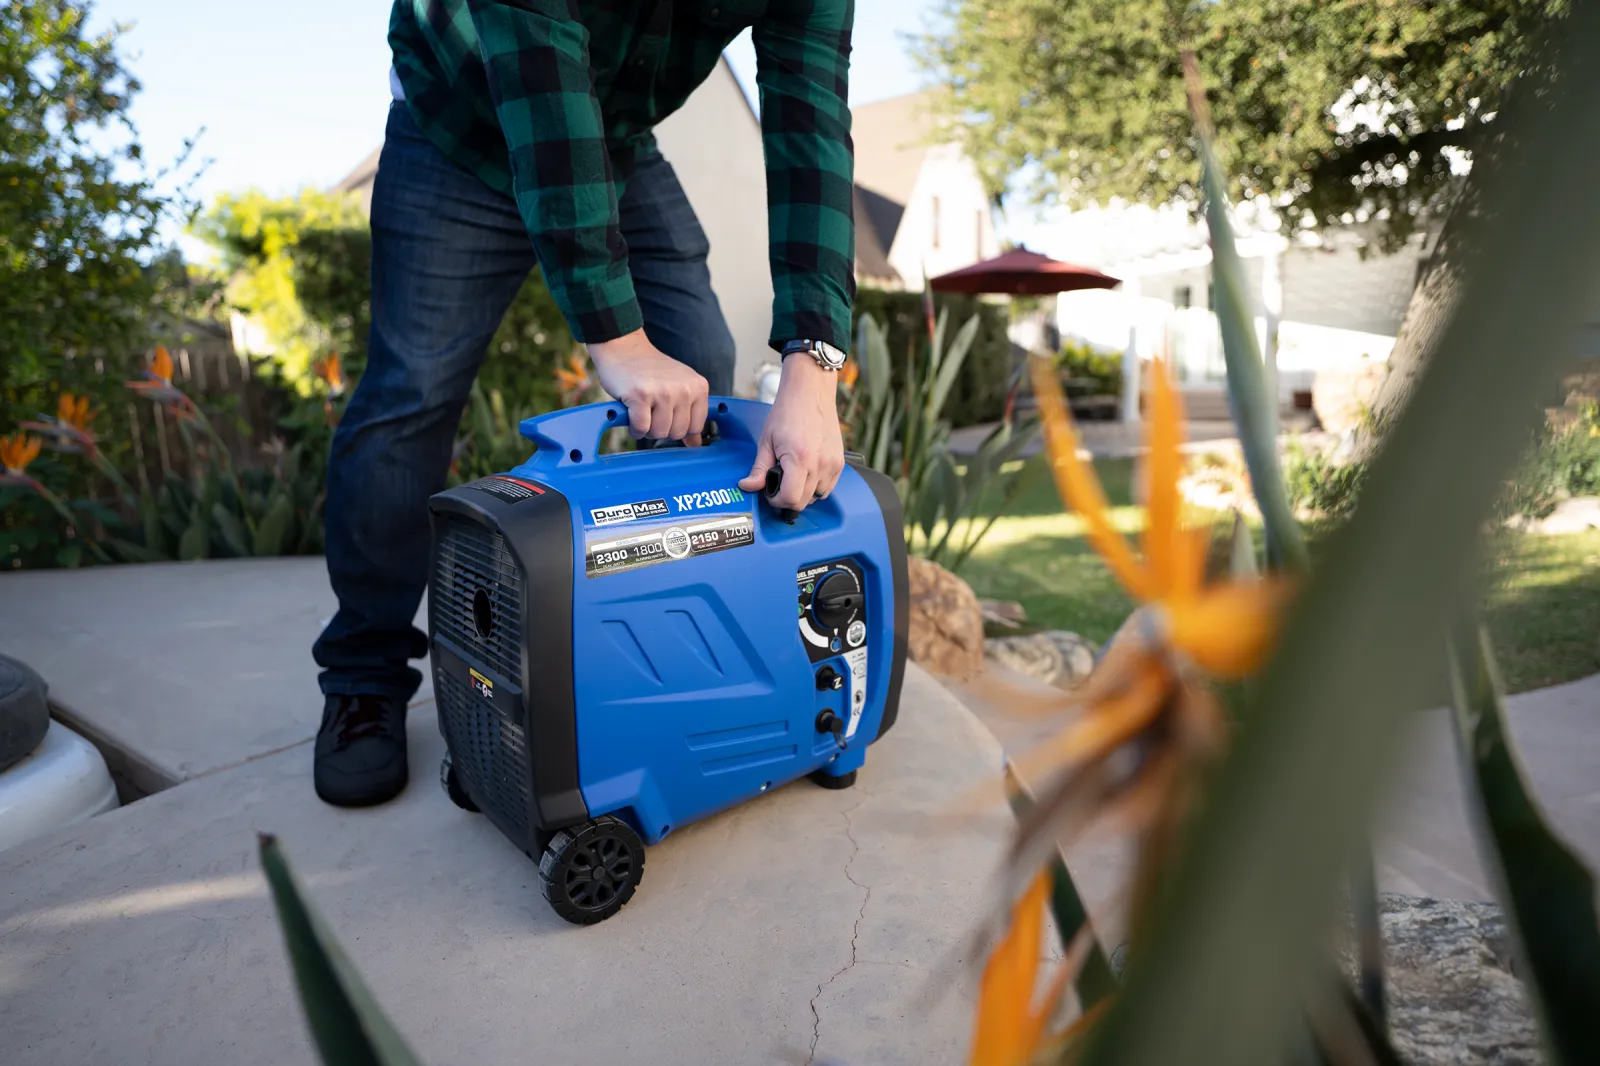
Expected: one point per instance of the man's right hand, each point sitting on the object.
(665, 399)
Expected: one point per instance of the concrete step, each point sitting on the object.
(177, 670)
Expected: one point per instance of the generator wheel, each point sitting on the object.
(452, 786)
(827, 780)
(589, 871)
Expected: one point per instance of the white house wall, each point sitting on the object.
(966, 221)
(714, 144)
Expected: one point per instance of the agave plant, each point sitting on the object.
(904, 434)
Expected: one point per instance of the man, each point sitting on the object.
(520, 135)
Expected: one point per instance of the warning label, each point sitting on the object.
(611, 554)
(509, 489)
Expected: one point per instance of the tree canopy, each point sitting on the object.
(80, 257)
(1335, 110)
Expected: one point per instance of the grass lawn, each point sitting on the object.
(1543, 603)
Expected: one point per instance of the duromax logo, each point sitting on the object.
(699, 501)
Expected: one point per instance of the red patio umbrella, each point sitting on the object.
(1024, 273)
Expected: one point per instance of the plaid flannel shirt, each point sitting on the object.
(550, 101)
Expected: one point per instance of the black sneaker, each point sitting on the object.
(361, 751)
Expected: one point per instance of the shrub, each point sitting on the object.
(979, 394)
(1100, 372)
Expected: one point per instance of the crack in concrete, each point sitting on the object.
(855, 930)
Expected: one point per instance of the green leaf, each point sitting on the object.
(346, 1022)
(155, 540)
(1255, 404)
(273, 532)
(192, 545)
(1549, 894)
(1242, 558)
(950, 366)
(877, 370)
(1323, 726)
(134, 553)
(1095, 980)
(70, 556)
(234, 534)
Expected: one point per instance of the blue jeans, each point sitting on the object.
(448, 256)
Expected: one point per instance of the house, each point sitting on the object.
(1326, 304)
(918, 206)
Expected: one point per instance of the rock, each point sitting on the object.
(1003, 612)
(1452, 996)
(1054, 656)
(1577, 515)
(946, 622)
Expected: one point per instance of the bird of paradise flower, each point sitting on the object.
(1138, 731)
(573, 381)
(68, 432)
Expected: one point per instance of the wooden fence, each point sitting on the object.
(242, 407)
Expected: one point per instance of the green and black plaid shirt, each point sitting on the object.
(551, 100)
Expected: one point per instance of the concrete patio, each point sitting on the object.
(808, 925)
(805, 925)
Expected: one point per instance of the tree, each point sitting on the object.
(80, 254)
(1333, 110)
(1341, 111)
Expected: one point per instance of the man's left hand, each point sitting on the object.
(802, 435)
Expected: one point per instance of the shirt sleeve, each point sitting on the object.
(802, 73)
(536, 59)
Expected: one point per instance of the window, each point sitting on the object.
(1183, 296)
(935, 241)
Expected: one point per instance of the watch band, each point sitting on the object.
(822, 353)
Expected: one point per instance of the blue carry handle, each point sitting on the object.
(564, 438)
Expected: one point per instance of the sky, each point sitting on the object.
(294, 93)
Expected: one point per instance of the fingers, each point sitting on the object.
(699, 408)
(639, 416)
(756, 480)
(800, 481)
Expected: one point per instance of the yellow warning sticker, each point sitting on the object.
(484, 686)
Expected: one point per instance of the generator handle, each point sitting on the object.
(573, 436)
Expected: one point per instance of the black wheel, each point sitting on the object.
(827, 780)
(452, 787)
(589, 871)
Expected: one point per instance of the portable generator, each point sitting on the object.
(625, 643)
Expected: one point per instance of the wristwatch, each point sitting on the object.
(824, 354)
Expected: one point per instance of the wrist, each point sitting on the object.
(801, 372)
(600, 351)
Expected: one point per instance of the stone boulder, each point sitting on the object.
(946, 622)
(1452, 995)
(1054, 656)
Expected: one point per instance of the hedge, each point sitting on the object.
(980, 392)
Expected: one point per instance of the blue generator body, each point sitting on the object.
(625, 643)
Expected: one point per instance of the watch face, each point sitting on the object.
(830, 355)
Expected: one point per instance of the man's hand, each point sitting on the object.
(802, 434)
(665, 399)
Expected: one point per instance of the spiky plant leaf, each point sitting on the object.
(347, 1025)
(1548, 893)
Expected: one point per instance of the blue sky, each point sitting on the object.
(293, 93)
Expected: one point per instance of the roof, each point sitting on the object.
(872, 258)
(362, 175)
(891, 139)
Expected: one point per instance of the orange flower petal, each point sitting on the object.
(1189, 562)
(17, 451)
(1229, 628)
(1161, 478)
(161, 365)
(1104, 727)
(1078, 486)
(1005, 1033)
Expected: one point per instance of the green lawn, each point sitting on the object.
(1543, 605)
